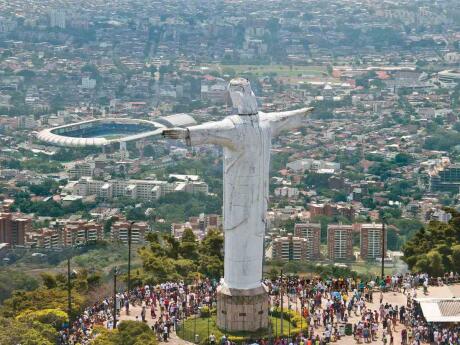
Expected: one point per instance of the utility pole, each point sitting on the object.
(129, 254)
(281, 311)
(115, 298)
(383, 248)
(69, 291)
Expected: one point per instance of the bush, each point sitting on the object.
(53, 317)
(205, 312)
(294, 318)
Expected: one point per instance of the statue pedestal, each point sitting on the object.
(242, 310)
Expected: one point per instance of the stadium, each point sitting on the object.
(107, 131)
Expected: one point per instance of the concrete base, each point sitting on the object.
(242, 310)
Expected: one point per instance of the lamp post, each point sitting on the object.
(281, 303)
(69, 291)
(129, 254)
(115, 272)
(383, 249)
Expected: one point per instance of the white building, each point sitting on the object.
(136, 189)
(58, 18)
(302, 165)
(88, 83)
(287, 192)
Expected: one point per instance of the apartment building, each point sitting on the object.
(340, 242)
(137, 189)
(120, 230)
(312, 233)
(81, 169)
(13, 229)
(81, 232)
(289, 248)
(199, 225)
(371, 241)
(67, 234)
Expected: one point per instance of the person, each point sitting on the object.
(165, 333)
(327, 335)
(143, 312)
(212, 339)
(404, 337)
(127, 306)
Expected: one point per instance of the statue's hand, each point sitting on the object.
(175, 133)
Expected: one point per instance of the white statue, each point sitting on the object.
(246, 141)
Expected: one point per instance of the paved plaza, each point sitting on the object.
(394, 298)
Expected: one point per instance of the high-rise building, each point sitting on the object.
(120, 230)
(340, 242)
(13, 229)
(446, 179)
(312, 233)
(58, 18)
(371, 240)
(290, 248)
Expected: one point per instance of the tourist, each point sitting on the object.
(212, 339)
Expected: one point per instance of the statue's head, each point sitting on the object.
(242, 96)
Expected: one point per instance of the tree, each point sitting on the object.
(53, 317)
(14, 332)
(48, 280)
(127, 333)
(434, 249)
(455, 258)
(403, 159)
(213, 244)
(188, 247)
(40, 299)
(436, 267)
(15, 280)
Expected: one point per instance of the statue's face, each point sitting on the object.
(242, 96)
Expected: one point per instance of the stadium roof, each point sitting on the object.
(176, 120)
(49, 135)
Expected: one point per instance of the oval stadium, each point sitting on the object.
(106, 131)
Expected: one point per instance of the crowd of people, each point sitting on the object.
(166, 305)
(331, 309)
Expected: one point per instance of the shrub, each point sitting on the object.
(205, 312)
(53, 317)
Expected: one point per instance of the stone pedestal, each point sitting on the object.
(242, 310)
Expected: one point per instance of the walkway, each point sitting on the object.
(394, 298)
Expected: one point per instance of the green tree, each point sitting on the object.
(11, 280)
(456, 257)
(49, 280)
(14, 332)
(436, 267)
(127, 333)
(40, 299)
(188, 247)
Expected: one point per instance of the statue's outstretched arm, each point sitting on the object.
(287, 120)
(218, 133)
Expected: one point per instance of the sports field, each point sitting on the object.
(279, 70)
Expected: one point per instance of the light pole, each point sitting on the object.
(115, 272)
(129, 254)
(69, 291)
(281, 303)
(383, 249)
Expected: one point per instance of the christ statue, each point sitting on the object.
(246, 141)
